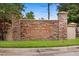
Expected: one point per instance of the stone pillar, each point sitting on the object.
(16, 29)
(62, 17)
(71, 31)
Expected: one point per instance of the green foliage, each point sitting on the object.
(30, 15)
(9, 9)
(72, 9)
(35, 44)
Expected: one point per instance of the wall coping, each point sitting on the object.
(39, 19)
(72, 24)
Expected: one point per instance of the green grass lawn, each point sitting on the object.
(35, 44)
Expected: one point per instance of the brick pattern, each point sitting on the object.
(37, 29)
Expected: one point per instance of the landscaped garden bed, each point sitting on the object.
(37, 44)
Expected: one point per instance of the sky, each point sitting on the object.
(40, 10)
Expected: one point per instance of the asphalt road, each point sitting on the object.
(69, 54)
(52, 51)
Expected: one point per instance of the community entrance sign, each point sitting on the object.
(25, 29)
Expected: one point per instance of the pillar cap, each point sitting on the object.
(72, 24)
(62, 12)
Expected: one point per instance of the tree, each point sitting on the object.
(7, 10)
(30, 15)
(73, 11)
(6, 13)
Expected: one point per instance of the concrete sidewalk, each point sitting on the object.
(51, 51)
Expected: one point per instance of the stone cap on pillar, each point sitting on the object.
(62, 12)
(72, 24)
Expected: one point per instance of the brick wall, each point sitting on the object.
(40, 29)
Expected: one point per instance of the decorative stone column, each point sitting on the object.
(62, 17)
(15, 29)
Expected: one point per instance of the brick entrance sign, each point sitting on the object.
(39, 29)
(24, 29)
